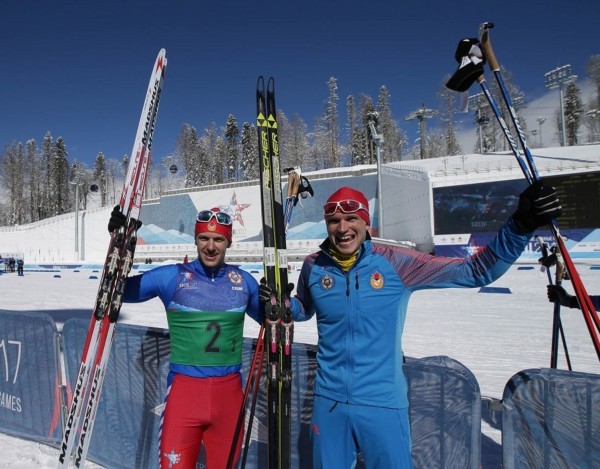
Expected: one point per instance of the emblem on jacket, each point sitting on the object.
(377, 280)
(187, 281)
(326, 282)
(234, 277)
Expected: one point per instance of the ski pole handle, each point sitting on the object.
(484, 38)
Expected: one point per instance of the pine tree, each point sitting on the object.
(573, 112)
(394, 140)
(331, 124)
(295, 144)
(187, 156)
(219, 163)
(232, 133)
(47, 156)
(101, 178)
(12, 171)
(446, 114)
(366, 110)
(34, 180)
(249, 163)
(208, 156)
(60, 179)
(592, 68)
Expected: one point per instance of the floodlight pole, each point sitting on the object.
(556, 79)
(377, 140)
(76, 182)
(479, 101)
(420, 115)
(541, 120)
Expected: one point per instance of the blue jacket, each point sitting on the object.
(205, 311)
(361, 313)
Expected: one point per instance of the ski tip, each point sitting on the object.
(161, 61)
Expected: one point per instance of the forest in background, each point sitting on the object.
(39, 180)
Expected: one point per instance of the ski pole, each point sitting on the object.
(253, 406)
(589, 312)
(557, 328)
(257, 357)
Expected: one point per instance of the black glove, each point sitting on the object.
(558, 293)
(264, 292)
(118, 219)
(538, 206)
(548, 261)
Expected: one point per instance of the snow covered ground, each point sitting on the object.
(495, 335)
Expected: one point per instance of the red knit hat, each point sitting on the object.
(347, 193)
(213, 225)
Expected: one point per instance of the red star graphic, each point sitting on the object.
(239, 208)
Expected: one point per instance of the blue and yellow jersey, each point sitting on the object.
(361, 312)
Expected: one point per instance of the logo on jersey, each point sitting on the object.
(326, 282)
(377, 280)
(187, 281)
(234, 277)
(173, 457)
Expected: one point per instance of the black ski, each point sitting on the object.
(278, 318)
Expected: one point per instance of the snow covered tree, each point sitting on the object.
(249, 164)
(232, 132)
(394, 139)
(331, 121)
(187, 155)
(592, 68)
(78, 176)
(46, 169)
(446, 113)
(208, 156)
(573, 112)
(219, 162)
(354, 133)
(367, 108)
(294, 143)
(12, 174)
(34, 184)
(101, 178)
(59, 201)
(325, 135)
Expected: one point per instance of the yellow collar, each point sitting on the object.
(346, 261)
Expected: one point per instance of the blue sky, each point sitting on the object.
(79, 69)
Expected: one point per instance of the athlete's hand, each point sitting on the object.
(264, 292)
(556, 293)
(118, 219)
(538, 206)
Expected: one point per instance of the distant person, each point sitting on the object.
(359, 291)
(20, 265)
(185, 259)
(558, 293)
(205, 301)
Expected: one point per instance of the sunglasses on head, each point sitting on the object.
(345, 206)
(222, 218)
